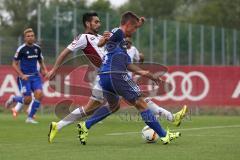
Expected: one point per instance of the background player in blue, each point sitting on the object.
(116, 82)
(25, 64)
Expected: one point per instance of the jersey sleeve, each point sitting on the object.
(117, 35)
(136, 56)
(40, 57)
(18, 54)
(80, 42)
(128, 60)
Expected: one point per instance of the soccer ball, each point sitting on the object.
(149, 135)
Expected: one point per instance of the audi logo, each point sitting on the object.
(186, 86)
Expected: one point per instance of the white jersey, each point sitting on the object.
(134, 54)
(88, 44)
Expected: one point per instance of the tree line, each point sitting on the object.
(18, 14)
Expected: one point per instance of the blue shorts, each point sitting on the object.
(33, 83)
(115, 85)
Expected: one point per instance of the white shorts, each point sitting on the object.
(97, 91)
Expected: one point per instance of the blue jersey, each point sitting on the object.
(28, 56)
(117, 59)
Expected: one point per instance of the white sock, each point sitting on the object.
(75, 115)
(157, 110)
(18, 107)
(30, 107)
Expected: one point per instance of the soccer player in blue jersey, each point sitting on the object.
(116, 82)
(91, 23)
(25, 64)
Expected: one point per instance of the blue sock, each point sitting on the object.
(18, 99)
(97, 116)
(152, 122)
(35, 106)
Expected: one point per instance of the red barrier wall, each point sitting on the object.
(192, 85)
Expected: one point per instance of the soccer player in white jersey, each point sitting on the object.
(88, 43)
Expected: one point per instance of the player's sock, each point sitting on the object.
(152, 122)
(18, 107)
(75, 115)
(18, 99)
(157, 110)
(35, 106)
(97, 116)
(30, 107)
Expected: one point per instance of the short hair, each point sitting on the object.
(129, 16)
(87, 17)
(28, 30)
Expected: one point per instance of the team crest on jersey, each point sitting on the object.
(92, 38)
(36, 51)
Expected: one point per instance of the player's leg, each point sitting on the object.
(24, 86)
(96, 100)
(79, 113)
(74, 116)
(16, 109)
(159, 111)
(36, 87)
(128, 89)
(99, 114)
(19, 105)
(103, 111)
(152, 122)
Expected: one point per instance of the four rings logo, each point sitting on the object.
(188, 84)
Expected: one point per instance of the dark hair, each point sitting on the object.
(87, 17)
(128, 16)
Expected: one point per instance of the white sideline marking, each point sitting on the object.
(186, 129)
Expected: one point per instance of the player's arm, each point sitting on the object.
(43, 68)
(137, 70)
(104, 39)
(51, 74)
(80, 42)
(15, 65)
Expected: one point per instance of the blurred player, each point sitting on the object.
(133, 52)
(25, 64)
(88, 43)
(18, 106)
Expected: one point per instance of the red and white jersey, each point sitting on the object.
(133, 54)
(88, 44)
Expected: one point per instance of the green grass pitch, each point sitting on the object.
(203, 137)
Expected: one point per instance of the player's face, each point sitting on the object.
(131, 28)
(95, 24)
(29, 38)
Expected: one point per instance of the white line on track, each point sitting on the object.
(185, 129)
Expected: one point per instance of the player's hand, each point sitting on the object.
(141, 21)
(157, 79)
(44, 73)
(106, 35)
(24, 77)
(51, 74)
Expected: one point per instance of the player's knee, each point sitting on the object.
(27, 100)
(140, 104)
(38, 95)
